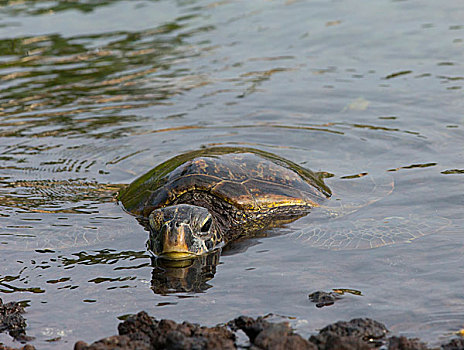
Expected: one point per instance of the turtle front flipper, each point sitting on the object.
(367, 233)
(365, 212)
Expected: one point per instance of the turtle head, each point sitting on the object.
(183, 231)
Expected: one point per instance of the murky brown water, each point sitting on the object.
(93, 95)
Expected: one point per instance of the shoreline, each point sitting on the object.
(141, 331)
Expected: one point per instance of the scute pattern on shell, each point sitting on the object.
(249, 179)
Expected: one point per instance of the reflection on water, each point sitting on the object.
(93, 94)
(106, 256)
(14, 7)
(67, 86)
(192, 275)
(56, 196)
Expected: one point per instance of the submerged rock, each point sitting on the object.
(12, 321)
(322, 299)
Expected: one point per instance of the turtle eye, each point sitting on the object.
(206, 225)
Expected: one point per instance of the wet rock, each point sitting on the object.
(144, 332)
(454, 344)
(115, 342)
(329, 298)
(25, 347)
(266, 335)
(12, 321)
(322, 299)
(364, 328)
(359, 333)
(332, 342)
(403, 343)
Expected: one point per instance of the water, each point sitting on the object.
(93, 95)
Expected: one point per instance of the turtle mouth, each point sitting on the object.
(176, 242)
(175, 255)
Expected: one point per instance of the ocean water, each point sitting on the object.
(94, 94)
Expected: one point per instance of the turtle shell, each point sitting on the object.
(249, 179)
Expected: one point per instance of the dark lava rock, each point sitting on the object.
(12, 321)
(454, 344)
(322, 299)
(114, 342)
(329, 298)
(403, 343)
(364, 328)
(25, 347)
(266, 335)
(359, 333)
(144, 332)
(332, 342)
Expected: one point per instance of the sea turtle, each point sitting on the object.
(198, 201)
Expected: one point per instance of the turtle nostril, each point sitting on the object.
(163, 230)
(177, 225)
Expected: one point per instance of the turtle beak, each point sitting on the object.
(174, 246)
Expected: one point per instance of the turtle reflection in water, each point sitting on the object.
(199, 201)
(187, 275)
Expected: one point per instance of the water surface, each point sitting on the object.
(94, 95)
